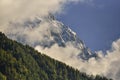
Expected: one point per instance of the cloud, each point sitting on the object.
(107, 65)
(60, 53)
(113, 59)
(18, 11)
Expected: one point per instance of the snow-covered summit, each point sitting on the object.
(50, 32)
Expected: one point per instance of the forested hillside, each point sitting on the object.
(19, 62)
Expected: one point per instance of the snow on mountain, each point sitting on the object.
(50, 32)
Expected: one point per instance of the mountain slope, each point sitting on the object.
(19, 62)
(46, 32)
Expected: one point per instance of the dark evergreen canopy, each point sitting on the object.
(19, 62)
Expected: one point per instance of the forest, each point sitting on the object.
(22, 62)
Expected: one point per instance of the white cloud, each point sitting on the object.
(60, 53)
(108, 65)
(15, 10)
(30, 35)
(21, 9)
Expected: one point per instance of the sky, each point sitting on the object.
(97, 22)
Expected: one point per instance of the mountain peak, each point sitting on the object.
(46, 32)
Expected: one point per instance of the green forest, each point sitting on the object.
(22, 62)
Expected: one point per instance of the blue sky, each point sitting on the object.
(97, 22)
